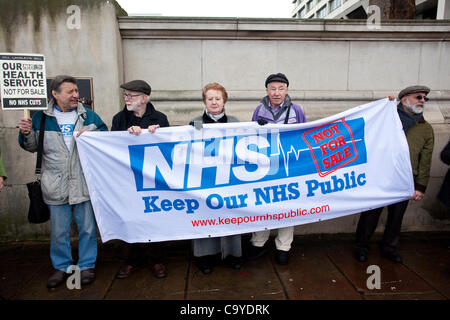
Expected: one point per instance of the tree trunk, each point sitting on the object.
(396, 9)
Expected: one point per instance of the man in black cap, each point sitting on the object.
(276, 107)
(420, 137)
(139, 113)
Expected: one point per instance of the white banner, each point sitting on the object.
(184, 183)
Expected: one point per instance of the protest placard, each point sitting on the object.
(23, 81)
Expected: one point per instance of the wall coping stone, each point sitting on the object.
(138, 27)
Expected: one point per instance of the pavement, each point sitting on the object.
(322, 267)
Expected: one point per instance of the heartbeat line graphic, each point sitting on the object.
(286, 155)
(296, 152)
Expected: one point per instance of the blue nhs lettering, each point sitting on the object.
(199, 164)
(66, 129)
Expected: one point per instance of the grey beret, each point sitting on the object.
(138, 86)
(413, 89)
(277, 77)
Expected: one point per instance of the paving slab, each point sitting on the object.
(395, 278)
(311, 275)
(14, 278)
(414, 296)
(25, 253)
(142, 285)
(255, 281)
(432, 267)
(36, 288)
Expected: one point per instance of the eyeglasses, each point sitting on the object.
(420, 97)
(129, 96)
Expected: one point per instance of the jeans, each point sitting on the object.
(60, 250)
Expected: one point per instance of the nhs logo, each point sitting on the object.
(66, 129)
(233, 159)
(199, 164)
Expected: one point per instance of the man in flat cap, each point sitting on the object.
(276, 107)
(139, 113)
(420, 137)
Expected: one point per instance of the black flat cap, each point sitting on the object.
(138, 86)
(413, 89)
(277, 77)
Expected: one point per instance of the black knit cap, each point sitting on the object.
(277, 77)
(138, 86)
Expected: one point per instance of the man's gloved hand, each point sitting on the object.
(262, 122)
(196, 124)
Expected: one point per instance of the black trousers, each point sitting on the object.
(139, 254)
(368, 222)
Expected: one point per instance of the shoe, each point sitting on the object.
(361, 254)
(159, 270)
(392, 255)
(256, 252)
(233, 262)
(87, 276)
(282, 257)
(125, 271)
(204, 264)
(56, 278)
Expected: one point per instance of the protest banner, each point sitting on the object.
(23, 82)
(184, 183)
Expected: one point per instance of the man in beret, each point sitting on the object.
(420, 137)
(139, 113)
(276, 107)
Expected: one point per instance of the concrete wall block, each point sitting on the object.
(238, 65)
(417, 218)
(15, 225)
(444, 107)
(19, 164)
(314, 65)
(444, 61)
(383, 66)
(164, 64)
(429, 70)
(433, 114)
(433, 206)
